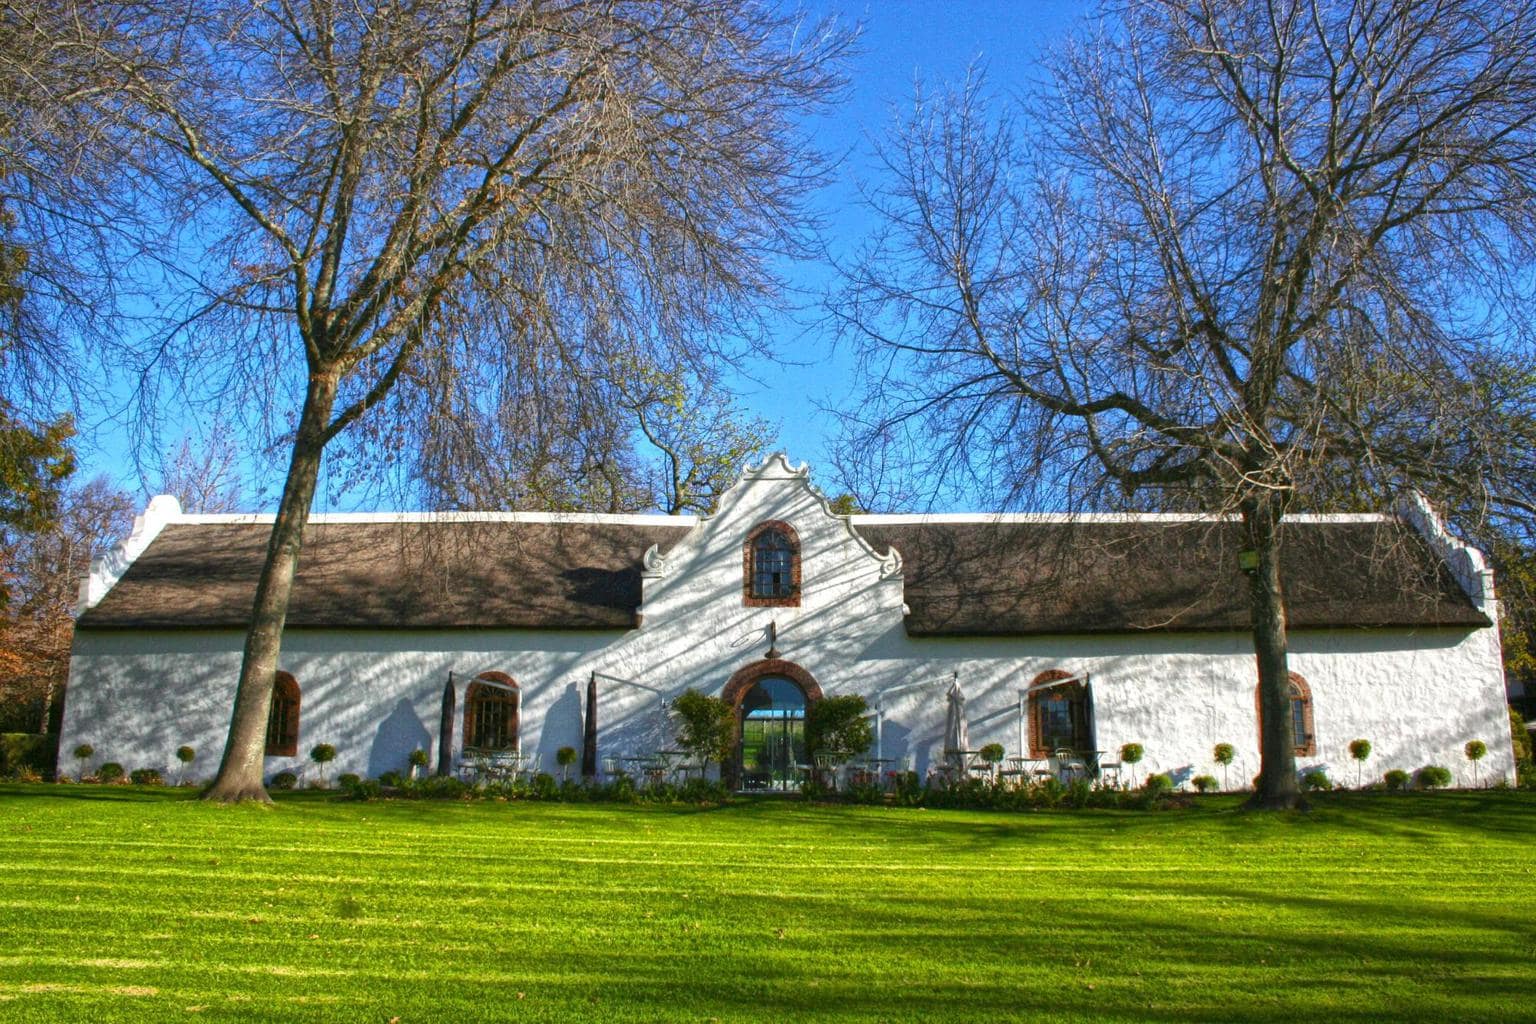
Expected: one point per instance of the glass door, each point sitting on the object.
(772, 736)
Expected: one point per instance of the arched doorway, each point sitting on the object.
(771, 697)
(772, 737)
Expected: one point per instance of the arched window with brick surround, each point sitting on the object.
(283, 718)
(771, 566)
(1301, 716)
(1058, 713)
(491, 709)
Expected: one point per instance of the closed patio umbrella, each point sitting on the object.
(957, 734)
(589, 732)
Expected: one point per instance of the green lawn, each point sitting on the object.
(125, 905)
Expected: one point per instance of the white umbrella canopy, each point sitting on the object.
(957, 733)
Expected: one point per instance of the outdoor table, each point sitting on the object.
(885, 773)
(503, 766)
(958, 763)
(670, 762)
(864, 773)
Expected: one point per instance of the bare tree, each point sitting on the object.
(1224, 253)
(205, 475)
(375, 183)
(69, 226)
(44, 567)
(624, 437)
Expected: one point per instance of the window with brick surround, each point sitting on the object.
(771, 566)
(1301, 716)
(491, 712)
(283, 718)
(1058, 715)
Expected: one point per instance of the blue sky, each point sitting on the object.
(900, 45)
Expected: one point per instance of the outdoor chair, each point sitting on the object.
(1069, 764)
(980, 768)
(826, 770)
(1108, 772)
(1019, 771)
(655, 771)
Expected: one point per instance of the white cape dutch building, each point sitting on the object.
(464, 633)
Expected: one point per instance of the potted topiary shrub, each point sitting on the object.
(1131, 754)
(322, 754)
(1359, 750)
(83, 754)
(1476, 750)
(185, 755)
(1223, 753)
(1396, 780)
(565, 757)
(992, 756)
(417, 759)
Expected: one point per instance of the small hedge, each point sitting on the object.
(1396, 780)
(1316, 780)
(110, 771)
(147, 777)
(284, 780)
(1434, 776)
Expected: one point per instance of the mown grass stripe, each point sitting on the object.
(1366, 909)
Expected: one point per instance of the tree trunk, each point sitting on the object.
(1277, 789)
(239, 776)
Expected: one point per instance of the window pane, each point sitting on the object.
(282, 722)
(772, 565)
(492, 718)
(1062, 714)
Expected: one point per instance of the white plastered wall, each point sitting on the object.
(1418, 696)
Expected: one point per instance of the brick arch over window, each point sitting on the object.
(1301, 715)
(283, 717)
(492, 712)
(1075, 698)
(745, 678)
(770, 566)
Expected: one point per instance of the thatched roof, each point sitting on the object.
(961, 578)
(1087, 576)
(400, 575)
